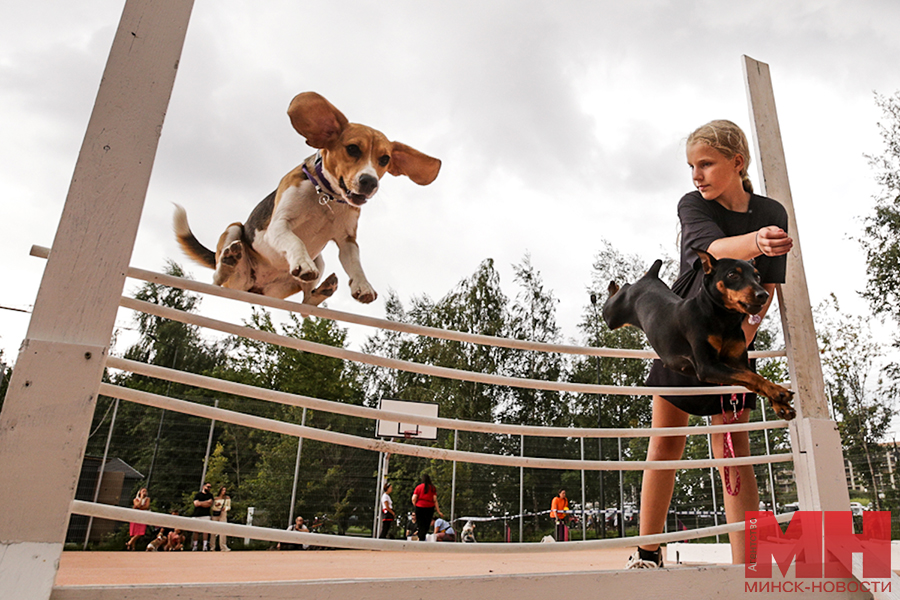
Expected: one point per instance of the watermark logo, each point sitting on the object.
(821, 545)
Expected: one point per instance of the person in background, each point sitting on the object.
(412, 528)
(443, 532)
(202, 508)
(298, 525)
(425, 501)
(559, 512)
(387, 511)
(220, 507)
(136, 530)
(175, 540)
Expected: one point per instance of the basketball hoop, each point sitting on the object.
(410, 433)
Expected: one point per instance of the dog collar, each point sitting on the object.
(324, 196)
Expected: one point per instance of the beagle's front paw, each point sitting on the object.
(305, 271)
(363, 291)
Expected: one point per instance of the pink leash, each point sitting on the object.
(729, 444)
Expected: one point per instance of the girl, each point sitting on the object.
(136, 530)
(725, 218)
(387, 511)
(221, 506)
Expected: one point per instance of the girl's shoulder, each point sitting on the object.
(767, 205)
(768, 211)
(692, 199)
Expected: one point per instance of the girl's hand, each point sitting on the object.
(773, 241)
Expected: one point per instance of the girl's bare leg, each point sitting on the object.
(657, 486)
(748, 495)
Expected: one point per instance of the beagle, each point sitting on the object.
(277, 251)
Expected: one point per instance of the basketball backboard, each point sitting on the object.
(395, 429)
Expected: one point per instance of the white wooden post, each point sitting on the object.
(48, 408)
(816, 443)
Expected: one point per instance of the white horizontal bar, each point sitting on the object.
(345, 317)
(375, 445)
(240, 389)
(412, 367)
(118, 513)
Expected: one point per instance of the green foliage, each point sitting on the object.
(863, 410)
(881, 240)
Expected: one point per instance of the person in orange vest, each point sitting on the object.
(559, 511)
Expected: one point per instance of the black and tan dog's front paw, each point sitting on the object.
(781, 405)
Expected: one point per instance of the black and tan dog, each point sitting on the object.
(277, 251)
(700, 336)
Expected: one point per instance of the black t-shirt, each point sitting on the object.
(202, 511)
(705, 221)
(702, 223)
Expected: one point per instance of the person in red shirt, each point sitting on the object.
(425, 501)
(559, 510)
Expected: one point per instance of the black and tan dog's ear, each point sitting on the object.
(707, 260)
(419, 167)
(613, 288)
(316, 119)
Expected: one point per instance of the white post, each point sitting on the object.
(376, 529)
(771, 472)
(712, 479)
(815, 441)
(296, 470)
(521, 492)
(453, 480)
(48, 409)
(583, 519)
(212, 429)
(112, 425)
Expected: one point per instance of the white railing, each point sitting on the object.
(378, 445)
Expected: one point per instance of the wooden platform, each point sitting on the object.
(342, 574)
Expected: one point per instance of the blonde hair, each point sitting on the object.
(727, 138)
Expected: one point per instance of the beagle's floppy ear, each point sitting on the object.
(316, 119)
(419, 167)
(707, 260)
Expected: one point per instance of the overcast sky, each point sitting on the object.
(558, 123)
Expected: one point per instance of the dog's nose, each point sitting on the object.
(762, 296)
(367, 184)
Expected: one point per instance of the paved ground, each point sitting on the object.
(99, 568)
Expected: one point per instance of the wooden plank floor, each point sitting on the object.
(124, 568)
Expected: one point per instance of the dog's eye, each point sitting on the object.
(354, 151)
(384, 160)
(733, 275)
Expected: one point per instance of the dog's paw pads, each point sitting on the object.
(305, 275)
(784, 411)
(232, 253)
(327, 287)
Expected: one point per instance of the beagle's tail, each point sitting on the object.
(189, 244)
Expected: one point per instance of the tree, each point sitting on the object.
(475, 305)
(612, 410)
(850, 357)
(334, 480)
(881, 241)
(177, 454)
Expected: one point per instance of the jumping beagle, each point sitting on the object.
(277, 252)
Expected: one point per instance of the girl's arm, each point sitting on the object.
(769, 241)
